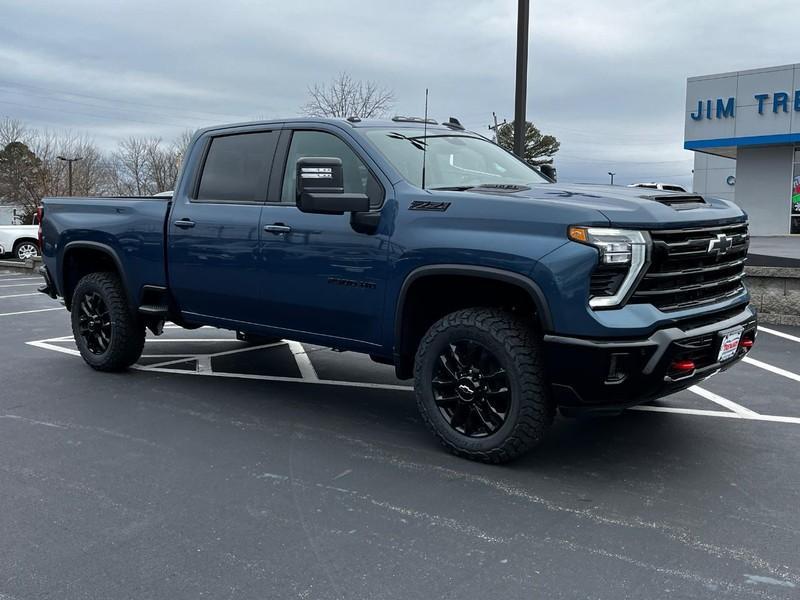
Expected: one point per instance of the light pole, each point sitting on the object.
(520, 95)
(612, 177)
(69, 162)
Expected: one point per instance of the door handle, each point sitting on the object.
(184, 223)
(277, 228)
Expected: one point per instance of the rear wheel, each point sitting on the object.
(480, 385)
(109, 336)
(26, 250)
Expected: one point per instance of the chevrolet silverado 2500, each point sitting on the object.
(504, 295)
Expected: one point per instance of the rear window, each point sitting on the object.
(237, 168)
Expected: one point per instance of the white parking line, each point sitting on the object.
(307, 370)
(718, 413)
(19, 295)
(781, 334)
(771, 369)
(26, 312)
(730, 405)
(309, 376)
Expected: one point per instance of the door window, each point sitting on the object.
(357, 177)
(237, 168)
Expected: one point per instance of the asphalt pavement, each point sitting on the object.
(218, 470)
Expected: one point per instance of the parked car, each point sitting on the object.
(504, 295)
(21, 241)
(662, 187)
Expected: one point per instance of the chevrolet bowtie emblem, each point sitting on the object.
(720, 245)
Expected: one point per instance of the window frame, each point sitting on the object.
(285, 144)
(207, 143)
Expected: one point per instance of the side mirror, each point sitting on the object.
(320, 188)
(549, 171)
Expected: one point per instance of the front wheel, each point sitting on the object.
(480, 385)
(109, 336)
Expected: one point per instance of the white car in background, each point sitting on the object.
(21, 241)
(663, 187)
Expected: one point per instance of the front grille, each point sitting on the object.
(683, 272)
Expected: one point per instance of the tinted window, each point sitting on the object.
(357, 178)
(237, 167)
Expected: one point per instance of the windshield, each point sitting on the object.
(454, 160)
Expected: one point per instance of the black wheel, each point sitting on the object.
(480, 385)
(109, 336)
(26, 250)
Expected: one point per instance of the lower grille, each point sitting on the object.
(691, 267)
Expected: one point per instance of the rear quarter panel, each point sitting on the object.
(131, 229)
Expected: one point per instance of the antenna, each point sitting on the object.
(425, 138)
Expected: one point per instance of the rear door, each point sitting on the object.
(324, 276)
(215, 267)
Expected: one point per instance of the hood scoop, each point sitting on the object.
(679, 201)
(499, 188)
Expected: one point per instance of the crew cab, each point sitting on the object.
(504, 295)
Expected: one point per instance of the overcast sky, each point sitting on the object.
(607, 78)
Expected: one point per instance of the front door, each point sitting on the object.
(215, 267)
(322, 275)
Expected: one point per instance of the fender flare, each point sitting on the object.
(526, 283)
(105, 249)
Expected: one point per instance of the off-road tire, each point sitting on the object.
(127, 329)
(517, 347)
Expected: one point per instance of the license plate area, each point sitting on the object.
(729, 343)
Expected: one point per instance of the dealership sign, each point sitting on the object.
(725, 108)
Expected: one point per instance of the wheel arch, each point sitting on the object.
(407, 338)
(81, 258)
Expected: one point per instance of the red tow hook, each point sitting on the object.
(682, 366)
(746, 344)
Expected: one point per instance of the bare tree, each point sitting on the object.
(12, 130)
(345, 97)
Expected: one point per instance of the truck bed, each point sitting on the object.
(132, 228)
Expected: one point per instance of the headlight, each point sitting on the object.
(617, 248)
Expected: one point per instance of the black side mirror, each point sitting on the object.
(549, 171)
(320, 188)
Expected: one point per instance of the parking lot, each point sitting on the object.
(216, 469)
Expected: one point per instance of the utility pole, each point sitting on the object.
(612, 177)
(520, 95)
(69, 162)
(496, 125)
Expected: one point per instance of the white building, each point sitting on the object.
(752, 117)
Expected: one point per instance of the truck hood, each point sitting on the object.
(637, 207)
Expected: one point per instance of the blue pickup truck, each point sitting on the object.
(505, 295)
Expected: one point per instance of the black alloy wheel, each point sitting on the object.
(109, 335)
(471, 389)
(480, 384)
(94, 323)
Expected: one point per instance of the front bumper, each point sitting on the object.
(607, 376)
